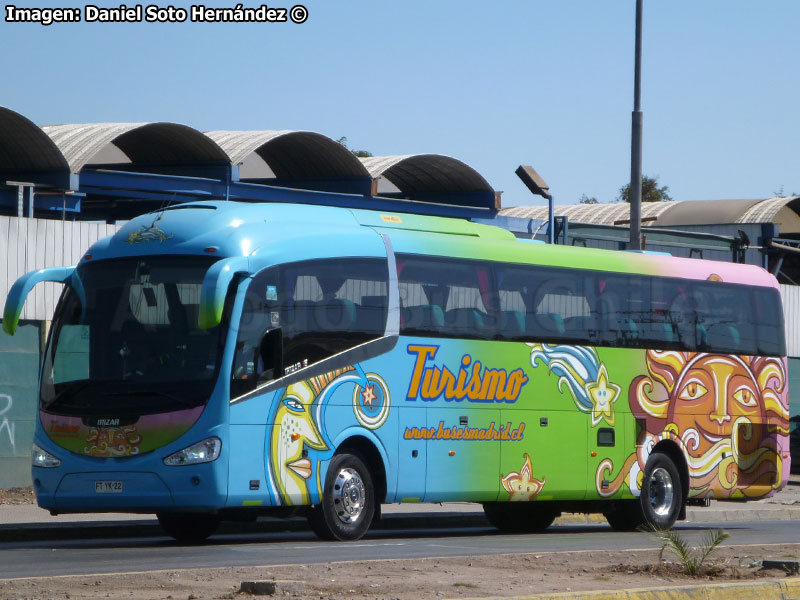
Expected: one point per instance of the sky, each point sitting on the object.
(494, 84)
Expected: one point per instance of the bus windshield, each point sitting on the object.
(126, 341)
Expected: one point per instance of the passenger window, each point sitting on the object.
(331, 305)
(769, 323)
(543, 304)
(446, 297)
(637, 311)
(298, 314)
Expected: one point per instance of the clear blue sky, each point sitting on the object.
(495, 84)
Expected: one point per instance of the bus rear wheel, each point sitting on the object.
(348, 501)
(662, 492)
(523, 517)
(660, 500)
(189, 528)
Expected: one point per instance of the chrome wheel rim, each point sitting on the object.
(349, 496)
(661, 492)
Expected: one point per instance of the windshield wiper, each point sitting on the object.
(176, 399)
(70, 392)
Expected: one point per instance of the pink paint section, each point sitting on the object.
(148, 433)
(695, 268)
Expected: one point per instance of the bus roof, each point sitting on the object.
(274, 232)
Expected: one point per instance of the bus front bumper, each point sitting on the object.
(196, 488)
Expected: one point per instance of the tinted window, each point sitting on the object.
(443, 297)
(127, 339)
(446, 297)
(637, 311)
(297, 314)
(544, 304)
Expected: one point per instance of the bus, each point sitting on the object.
(220, 360)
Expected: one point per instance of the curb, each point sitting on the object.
(775, 589)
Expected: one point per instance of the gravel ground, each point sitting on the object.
(453, 577)
(419, 579)
(17, 496)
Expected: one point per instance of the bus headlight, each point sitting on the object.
(42, 458)
(202, 452)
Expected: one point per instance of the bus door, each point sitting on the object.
(546, 458)
(412, 452)
(611, 450)
(463, 454)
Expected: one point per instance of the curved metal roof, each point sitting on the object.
(600, 214)
(57, 155)
(142, 143)
(783, 211)
(291, 154)
(767, 211)
(24, 147)
(705, 212)
(423, 173)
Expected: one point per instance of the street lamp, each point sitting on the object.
(538, 187)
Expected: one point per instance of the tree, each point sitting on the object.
(587, 200)
(651, 192)
(781, 194)
(359, 153)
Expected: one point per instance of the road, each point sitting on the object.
(134, 554)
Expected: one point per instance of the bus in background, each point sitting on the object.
(218, 360)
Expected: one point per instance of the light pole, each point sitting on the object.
(636, 139)
(537, 186)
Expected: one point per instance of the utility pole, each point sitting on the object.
(636, 139)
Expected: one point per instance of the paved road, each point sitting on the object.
(32, 558)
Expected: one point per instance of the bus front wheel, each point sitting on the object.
(189, 528)
(348, 500)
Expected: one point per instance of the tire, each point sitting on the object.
(659, 503)
(661, 499)
(348, 501)
(519, 517)
(626, 515)
(188, 528)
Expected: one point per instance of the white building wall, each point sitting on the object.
(791, 315)
(30, 244)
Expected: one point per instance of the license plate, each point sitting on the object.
(107, 487)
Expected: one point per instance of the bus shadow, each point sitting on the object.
(157, 539)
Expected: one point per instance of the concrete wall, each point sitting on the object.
(19, 376)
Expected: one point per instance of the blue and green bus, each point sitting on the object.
(218, 359)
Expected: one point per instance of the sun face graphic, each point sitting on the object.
(727, 411)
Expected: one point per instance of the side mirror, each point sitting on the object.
(23, 286)
(271, 353)
(215, 287)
